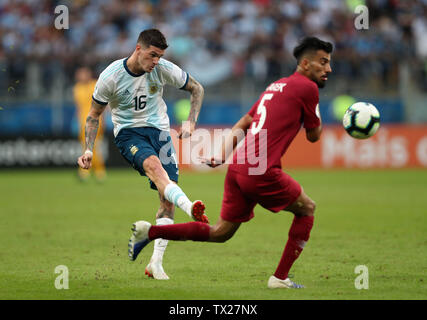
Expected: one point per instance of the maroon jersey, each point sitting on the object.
(278, 115)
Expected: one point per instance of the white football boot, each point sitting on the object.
(139, 238)
(274, 283)
(155, 270)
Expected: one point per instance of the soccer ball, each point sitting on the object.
(361, 120)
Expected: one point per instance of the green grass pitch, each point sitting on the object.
(363, 217)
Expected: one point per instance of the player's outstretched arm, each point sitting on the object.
(238, 132)
(91, 129)
(196, 99)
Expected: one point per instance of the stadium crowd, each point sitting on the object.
(213, 39)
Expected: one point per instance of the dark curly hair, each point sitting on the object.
(311, 44)
(152, 37)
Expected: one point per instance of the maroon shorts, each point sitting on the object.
(274, 191)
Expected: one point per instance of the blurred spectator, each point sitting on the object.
(214, 39)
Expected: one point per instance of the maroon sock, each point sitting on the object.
(196, 231)
(298, 236)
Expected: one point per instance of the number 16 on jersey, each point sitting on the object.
(140, 102)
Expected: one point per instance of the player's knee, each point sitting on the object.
(153, 168)
(150, 165)
(220, 236)
(309, 208)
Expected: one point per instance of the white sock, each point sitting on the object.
(160, 244)
(175, 195)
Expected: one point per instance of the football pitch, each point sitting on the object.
(371, 218)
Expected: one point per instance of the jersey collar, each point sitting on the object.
(130, 72)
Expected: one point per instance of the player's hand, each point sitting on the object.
(186, 130)
(85, 160)
(212, 162)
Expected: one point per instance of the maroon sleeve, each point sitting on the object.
(310, 99)
(254, 108)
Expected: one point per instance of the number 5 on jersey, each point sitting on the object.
(263, 112)
(140, 102)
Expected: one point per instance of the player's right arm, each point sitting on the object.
(238, 132)
(91, 129)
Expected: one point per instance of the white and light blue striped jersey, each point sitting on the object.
(136, 100)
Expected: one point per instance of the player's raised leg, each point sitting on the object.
(195, 231)
(143, 232)
(164, 216)
(299, 233)
(171, 191)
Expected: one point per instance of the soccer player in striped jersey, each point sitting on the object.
(133, 88)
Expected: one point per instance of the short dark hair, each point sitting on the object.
(311, 44)
(154, 38)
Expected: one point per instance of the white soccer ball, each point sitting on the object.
(361, 120)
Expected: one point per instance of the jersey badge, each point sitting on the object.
(133, 150)
(153, 89)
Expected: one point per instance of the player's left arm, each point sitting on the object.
(197, 93)
(312, 118)
(313, 134)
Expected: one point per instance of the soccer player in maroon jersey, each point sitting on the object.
(269, 128)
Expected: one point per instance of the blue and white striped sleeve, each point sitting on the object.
(173, 75)
(102, 93)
